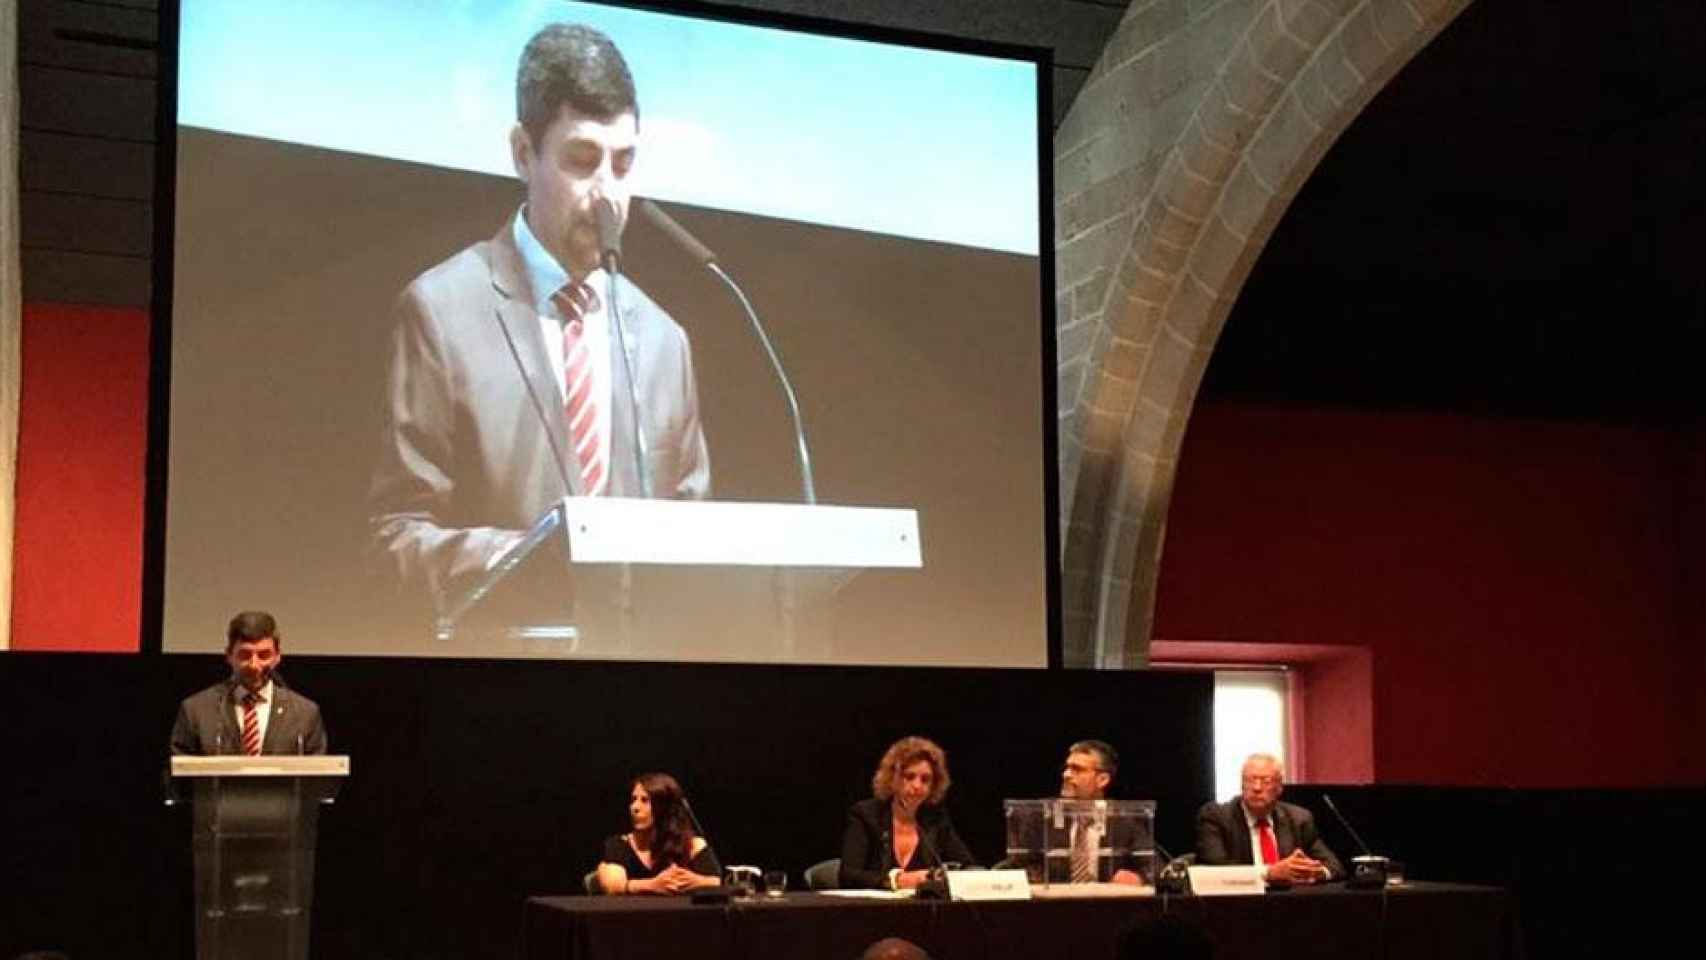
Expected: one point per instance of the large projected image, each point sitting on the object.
(467, 357)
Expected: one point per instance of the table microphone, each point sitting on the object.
(720, 892)
(1368, 870)
(933, 888)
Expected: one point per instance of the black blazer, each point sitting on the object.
(867, 848)
(1224, 838)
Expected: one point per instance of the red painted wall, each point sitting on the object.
(1521, 585)
(77, 574)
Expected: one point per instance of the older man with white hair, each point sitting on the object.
(1256, 828)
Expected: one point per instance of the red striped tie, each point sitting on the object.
(251, 726)
(580, 404)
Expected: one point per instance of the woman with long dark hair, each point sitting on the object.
(663, 854)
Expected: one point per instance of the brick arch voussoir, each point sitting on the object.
(1303, 71)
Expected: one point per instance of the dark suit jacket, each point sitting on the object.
(867, 847)
(465, 463)
(207, 723)
(1224, 838)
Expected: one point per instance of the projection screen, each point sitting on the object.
(365, 379)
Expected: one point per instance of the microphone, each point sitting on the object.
(1368, 870)
(701, 253)
(610, 254)
(1174, 876)
(934, 888)
(720, 892)
(698, 828)
(1328, 800)
(609, 232)
(678, 233)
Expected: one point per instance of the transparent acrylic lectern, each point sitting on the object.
(253, 833)
(1114, 840)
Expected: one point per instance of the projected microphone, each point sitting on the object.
(1368, 870)
(610, 253)
(698, 251)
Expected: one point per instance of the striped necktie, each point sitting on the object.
(580, 400)
(251, 725)
(1083, 854)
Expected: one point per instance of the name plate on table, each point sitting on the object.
(630, 530)
(988, 885)
(1228, 881)
(281, 765)
(1090, 891)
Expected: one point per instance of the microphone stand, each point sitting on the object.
(610, 240)
(698, 251)
(720, 892)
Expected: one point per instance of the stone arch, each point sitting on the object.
(1193, 133)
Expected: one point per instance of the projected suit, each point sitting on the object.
(466, 461)
(476, 444)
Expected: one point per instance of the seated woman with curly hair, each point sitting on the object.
(662, 855)
(894, 839)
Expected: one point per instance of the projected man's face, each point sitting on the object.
(640, 808)
(578, 162)
(253, 661)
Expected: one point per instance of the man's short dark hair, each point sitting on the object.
(1106, 756)
(573, 64)
(252, 625)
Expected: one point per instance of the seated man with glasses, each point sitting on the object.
(1089, 769)
(1256, 828)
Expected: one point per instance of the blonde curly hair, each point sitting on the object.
(904, 753)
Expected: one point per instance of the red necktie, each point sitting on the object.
(1270, 849)
(580, 403)
(251, 726)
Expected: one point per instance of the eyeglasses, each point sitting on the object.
(1262, 781)
(1077, 768)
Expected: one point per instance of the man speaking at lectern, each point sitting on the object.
(507, 387)
(252, 712)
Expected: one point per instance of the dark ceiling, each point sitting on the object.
(1512, 227)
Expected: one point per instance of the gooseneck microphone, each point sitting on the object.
(1328, 800)
(701, 253)
(698, 828)
(704, 895)
(934, 887)
(610, 254)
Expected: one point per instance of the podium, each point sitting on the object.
(253, 832)
(1118, 835)
(647, 573)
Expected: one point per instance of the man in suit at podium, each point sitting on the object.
(508, 386)
(252, 712)
(1256, 828)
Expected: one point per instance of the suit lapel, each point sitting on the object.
(1241, 824)
(518, 323)
(1285, 836)
(232, 737)
(276, 722)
